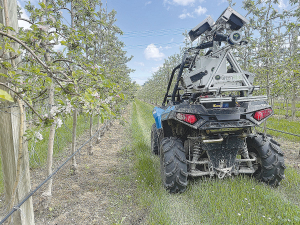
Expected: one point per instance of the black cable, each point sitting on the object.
(48, 178)
(284, 132)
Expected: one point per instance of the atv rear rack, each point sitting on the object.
(230, 99)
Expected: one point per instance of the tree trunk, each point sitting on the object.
(12, 146)
(293, 102)
(99, 133)
(287, 108)
(48, 192)
(91, 130)
(74, 165)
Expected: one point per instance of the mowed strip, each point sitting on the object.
(236, 200)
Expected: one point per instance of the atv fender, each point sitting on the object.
(160, 114)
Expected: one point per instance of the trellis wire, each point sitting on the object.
(283, 132)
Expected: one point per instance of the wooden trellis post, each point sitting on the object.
(10, 140)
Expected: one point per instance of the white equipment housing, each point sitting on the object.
(218, 71)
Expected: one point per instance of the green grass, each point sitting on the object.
(283, 112)
(1, 178)
(283, 125)
(289, 105)
(238, 200)
(63, 137)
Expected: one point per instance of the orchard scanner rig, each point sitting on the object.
(205, 126)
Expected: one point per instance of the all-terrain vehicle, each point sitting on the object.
(205, 127)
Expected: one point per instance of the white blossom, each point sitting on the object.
(68, 107)
(108, 99)
(54, 110)
(52, 19)
(38, 136)
(96, 94)
(43, 27)
(58, 122)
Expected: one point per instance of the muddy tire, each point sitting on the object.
(173, 165)
(154, 140)
(270, 161)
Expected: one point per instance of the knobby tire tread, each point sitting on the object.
(154, 140)
(173, 165)
(272, 166)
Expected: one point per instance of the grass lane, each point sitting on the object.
(283, 125)
(283, 112)
(238, 200)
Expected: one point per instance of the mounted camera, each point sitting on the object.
(201, 28)
(230, 20)
(233, 19)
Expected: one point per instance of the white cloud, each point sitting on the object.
(140, 81)
(140, 63)
(155, 69)
(152, 52)
(200, 10)
(281, 4)
(148, 3)
(185, 15)
(222, 1)
(179, 2)
(184, 2)
(58, 47)
(22, 23)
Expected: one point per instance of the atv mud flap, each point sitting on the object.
(222, 155)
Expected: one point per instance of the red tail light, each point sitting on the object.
(259, 115)
(189, 118)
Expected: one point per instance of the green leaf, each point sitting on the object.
(107, 109)
(3, 74)
(4, 95)
(42, 5)
(101, 118)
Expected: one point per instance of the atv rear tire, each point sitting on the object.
(154, 139)
(270, 161)
(173, 165)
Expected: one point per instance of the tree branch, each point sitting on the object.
(69, 61)
(35, 56)
(4, 85)
(26, 20)
(28, 49)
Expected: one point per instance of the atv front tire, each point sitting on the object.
(270, 161)
(173, 165)
(154, 140)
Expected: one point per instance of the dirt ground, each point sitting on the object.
(291, 152)
(93, 195)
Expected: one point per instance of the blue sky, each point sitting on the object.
(153, 28)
